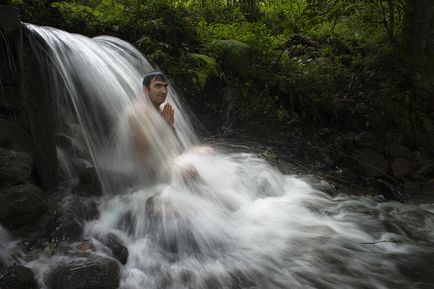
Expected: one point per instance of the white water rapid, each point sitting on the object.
(239, 223)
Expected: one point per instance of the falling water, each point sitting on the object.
(6, 247)
(235, 222)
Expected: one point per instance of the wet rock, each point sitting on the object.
(15, 166)
(89, 183)
(40, 109)
(396, 151)
(13, 136)
(64, 141)
(89, 175)
(370, 162)
(21, 205)
(67, 229)
(366, 139)
(83, 209)
(119, 251)
(387, 190)
(80, 164)
(84, 247)
(93, 273)
(17, 277)
(401, 167)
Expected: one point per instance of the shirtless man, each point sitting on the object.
(155, 86)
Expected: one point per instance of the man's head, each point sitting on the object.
(155, 87)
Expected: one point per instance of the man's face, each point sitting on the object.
(157, 91)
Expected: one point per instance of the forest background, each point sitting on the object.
(353, 65)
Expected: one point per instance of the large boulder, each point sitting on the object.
(15, 166)
(93, 273)
(21, 205)
(81, 208)
(66, 230)
(17, 277)
(370, 162)
(401, 167)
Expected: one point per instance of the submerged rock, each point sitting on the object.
(17, 277)
(119, 251)
(15, 166)
(93, 273)
(21, 205)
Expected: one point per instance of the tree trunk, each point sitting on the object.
(418, 48)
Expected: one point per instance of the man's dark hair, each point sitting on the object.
(156, 75)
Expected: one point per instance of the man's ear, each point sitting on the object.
(145, 89)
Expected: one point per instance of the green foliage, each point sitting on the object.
(275, 60)
(78, 15)
(206, 67)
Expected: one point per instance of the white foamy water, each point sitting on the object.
(6, 247)
(203, 217)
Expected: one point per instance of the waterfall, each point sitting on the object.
(97, 84)
(236, 222)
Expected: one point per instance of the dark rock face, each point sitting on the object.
(17, 277)
(64, 141)
(401, 167)
(82, 209)
(14, 136)
(89, 183)
(93, 273)
(72, 212)
(41, 113)
(371, 162)
(366, 139)
(21, 205)
(15, 166)
(396, 151)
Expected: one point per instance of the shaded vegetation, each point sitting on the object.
(338, 63)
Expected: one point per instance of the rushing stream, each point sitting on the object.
(238, 223)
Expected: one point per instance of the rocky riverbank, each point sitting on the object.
(45, 222)
(354, 162)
